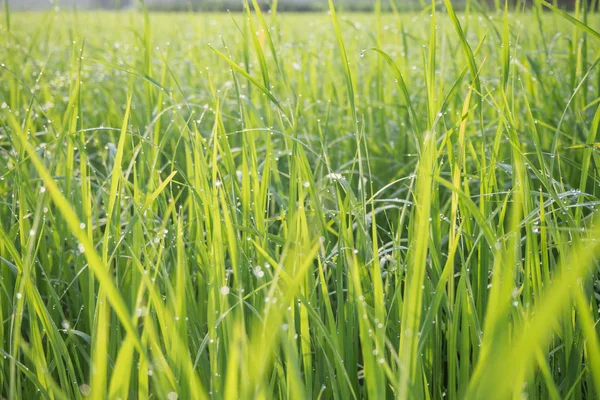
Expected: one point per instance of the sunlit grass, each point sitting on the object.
(272, 205)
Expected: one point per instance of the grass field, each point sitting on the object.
(300, 206)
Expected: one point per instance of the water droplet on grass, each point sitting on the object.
(85, 390)
(172, 396)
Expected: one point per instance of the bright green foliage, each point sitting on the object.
(268, 205)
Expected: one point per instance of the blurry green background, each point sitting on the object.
(290, 5)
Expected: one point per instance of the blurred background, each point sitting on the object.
(235, 5)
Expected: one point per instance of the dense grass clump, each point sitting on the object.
(300, 206)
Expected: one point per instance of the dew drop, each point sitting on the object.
(85, 390)
(172, 396)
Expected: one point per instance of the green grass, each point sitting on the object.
(272, 205)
